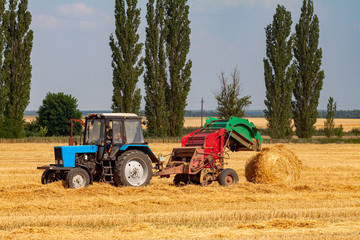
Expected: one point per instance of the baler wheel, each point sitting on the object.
(181, 178)
(50, 176)
(77, 178)
(206, 181)
(228, 177)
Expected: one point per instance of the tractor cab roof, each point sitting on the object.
(112, 115)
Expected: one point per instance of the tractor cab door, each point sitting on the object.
(117, 138)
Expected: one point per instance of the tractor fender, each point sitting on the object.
(144, 148)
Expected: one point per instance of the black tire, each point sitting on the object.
(181, 180)
(77, 178)
(50, 176)
(206, 181)
(133, 168)
(228, 177)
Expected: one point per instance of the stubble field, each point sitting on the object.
(348, 124)
(323, 204)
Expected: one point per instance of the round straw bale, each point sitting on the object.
(274, 165)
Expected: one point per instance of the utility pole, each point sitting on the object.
(202, 111)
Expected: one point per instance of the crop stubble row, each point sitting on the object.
(324, 203)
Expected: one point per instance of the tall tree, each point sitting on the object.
(228, 98)
(309, 77)
(127, 67)
(17, 65)
(329, 124)
(155, 77)
(279, 72)
(3, 86)
(177, 49)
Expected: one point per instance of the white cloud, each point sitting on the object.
(74, 16)
(46, 21)
(78, 9)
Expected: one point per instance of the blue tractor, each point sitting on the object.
(113, 151)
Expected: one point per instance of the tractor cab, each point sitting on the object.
(110, 131)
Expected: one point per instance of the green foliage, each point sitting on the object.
(279, 72)
(339, 131)
(228, 98)
(32, 128)
(309, 78)
(17, 40)
(155, 78)
(3, 86)
(43, 131)
(329, 124)
(127, 67)
(355, 131)
(177, 49)
(55, 113)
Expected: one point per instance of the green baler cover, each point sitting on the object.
(241, 126)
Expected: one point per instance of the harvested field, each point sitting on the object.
(323, 204)
(348, 124)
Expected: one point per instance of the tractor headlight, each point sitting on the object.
(59, 162)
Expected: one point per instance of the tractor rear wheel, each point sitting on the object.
(77, 178)
(133, 168)
(228, 177)
(50, 176)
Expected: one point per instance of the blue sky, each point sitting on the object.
(71, 53)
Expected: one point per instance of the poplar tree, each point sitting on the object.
(309, 77)
(155, 77)
(126, 49)
(278, 72)
(17, 65)
(177, 49)
(329, 124)
(3, 86)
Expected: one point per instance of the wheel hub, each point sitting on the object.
(229, 180)
(79, 181)
(136, 172)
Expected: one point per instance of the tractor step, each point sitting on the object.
(107, 171)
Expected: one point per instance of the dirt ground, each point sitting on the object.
(323, 204)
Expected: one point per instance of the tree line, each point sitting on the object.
(16, 42)
(292, 72)
(167, 76)
(292, 69)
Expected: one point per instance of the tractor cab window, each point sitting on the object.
(133, 131)
(94, 132)
(117, 136)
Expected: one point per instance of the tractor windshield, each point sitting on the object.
(94, 131)
(133, 131)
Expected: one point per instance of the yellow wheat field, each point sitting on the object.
(348, 124)
(323, 204)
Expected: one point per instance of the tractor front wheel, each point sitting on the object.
(50, 176)
(77, 178)
(228, 177)
(133, 168)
